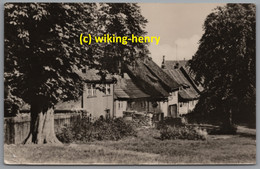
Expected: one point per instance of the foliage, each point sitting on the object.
(183, 132)
(170, 122)
(119, 19)
(84, 131)
(64, 134)
(43, 53)
(11, 103)
(225, 64)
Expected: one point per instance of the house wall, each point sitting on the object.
(172, 100)
(187, 107)
(143, 106)
(97, 102)
(120, 107)
(183, 108)
(192, 105)
(137, 105)
(164, 108)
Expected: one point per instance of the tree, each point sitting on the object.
(43, 56)
(119, 19)
(225, 64)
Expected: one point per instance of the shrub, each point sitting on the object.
(65, 135)
(84, 131)
(183, 132)
(169, 122)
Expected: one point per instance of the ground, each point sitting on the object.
(146, 148)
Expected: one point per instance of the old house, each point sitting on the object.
(98, 94)
(189, 91)
(145, 87)
(129, 97)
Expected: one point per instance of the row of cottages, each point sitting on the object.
(143, 87)
(189, 91)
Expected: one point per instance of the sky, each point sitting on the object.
(180, 27)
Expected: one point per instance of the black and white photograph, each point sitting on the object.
(129, 83)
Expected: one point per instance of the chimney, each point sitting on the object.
(163, 62)
(176, 66)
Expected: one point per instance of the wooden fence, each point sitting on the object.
(17, 128)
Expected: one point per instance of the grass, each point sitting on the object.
(146, 148)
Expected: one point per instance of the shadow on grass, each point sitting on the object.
(247, 135)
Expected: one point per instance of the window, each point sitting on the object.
(94, 90)
(108, 90)
(91, 90)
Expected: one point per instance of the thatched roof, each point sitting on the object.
(92, 76)
(164, 78)
(151, 78)
(169, 64)
(125, 88)
(178, 76)
(190, 91)
(185, 68)
(188, 94)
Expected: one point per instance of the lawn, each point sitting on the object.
(146, 148)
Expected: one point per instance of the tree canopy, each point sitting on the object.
(225, 63)
(42, 48)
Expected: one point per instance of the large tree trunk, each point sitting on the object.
(42, 126)
(228, 126)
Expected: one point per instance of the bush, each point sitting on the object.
(84, 131)
(183, 132)
(169, 122)
(65, 135)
